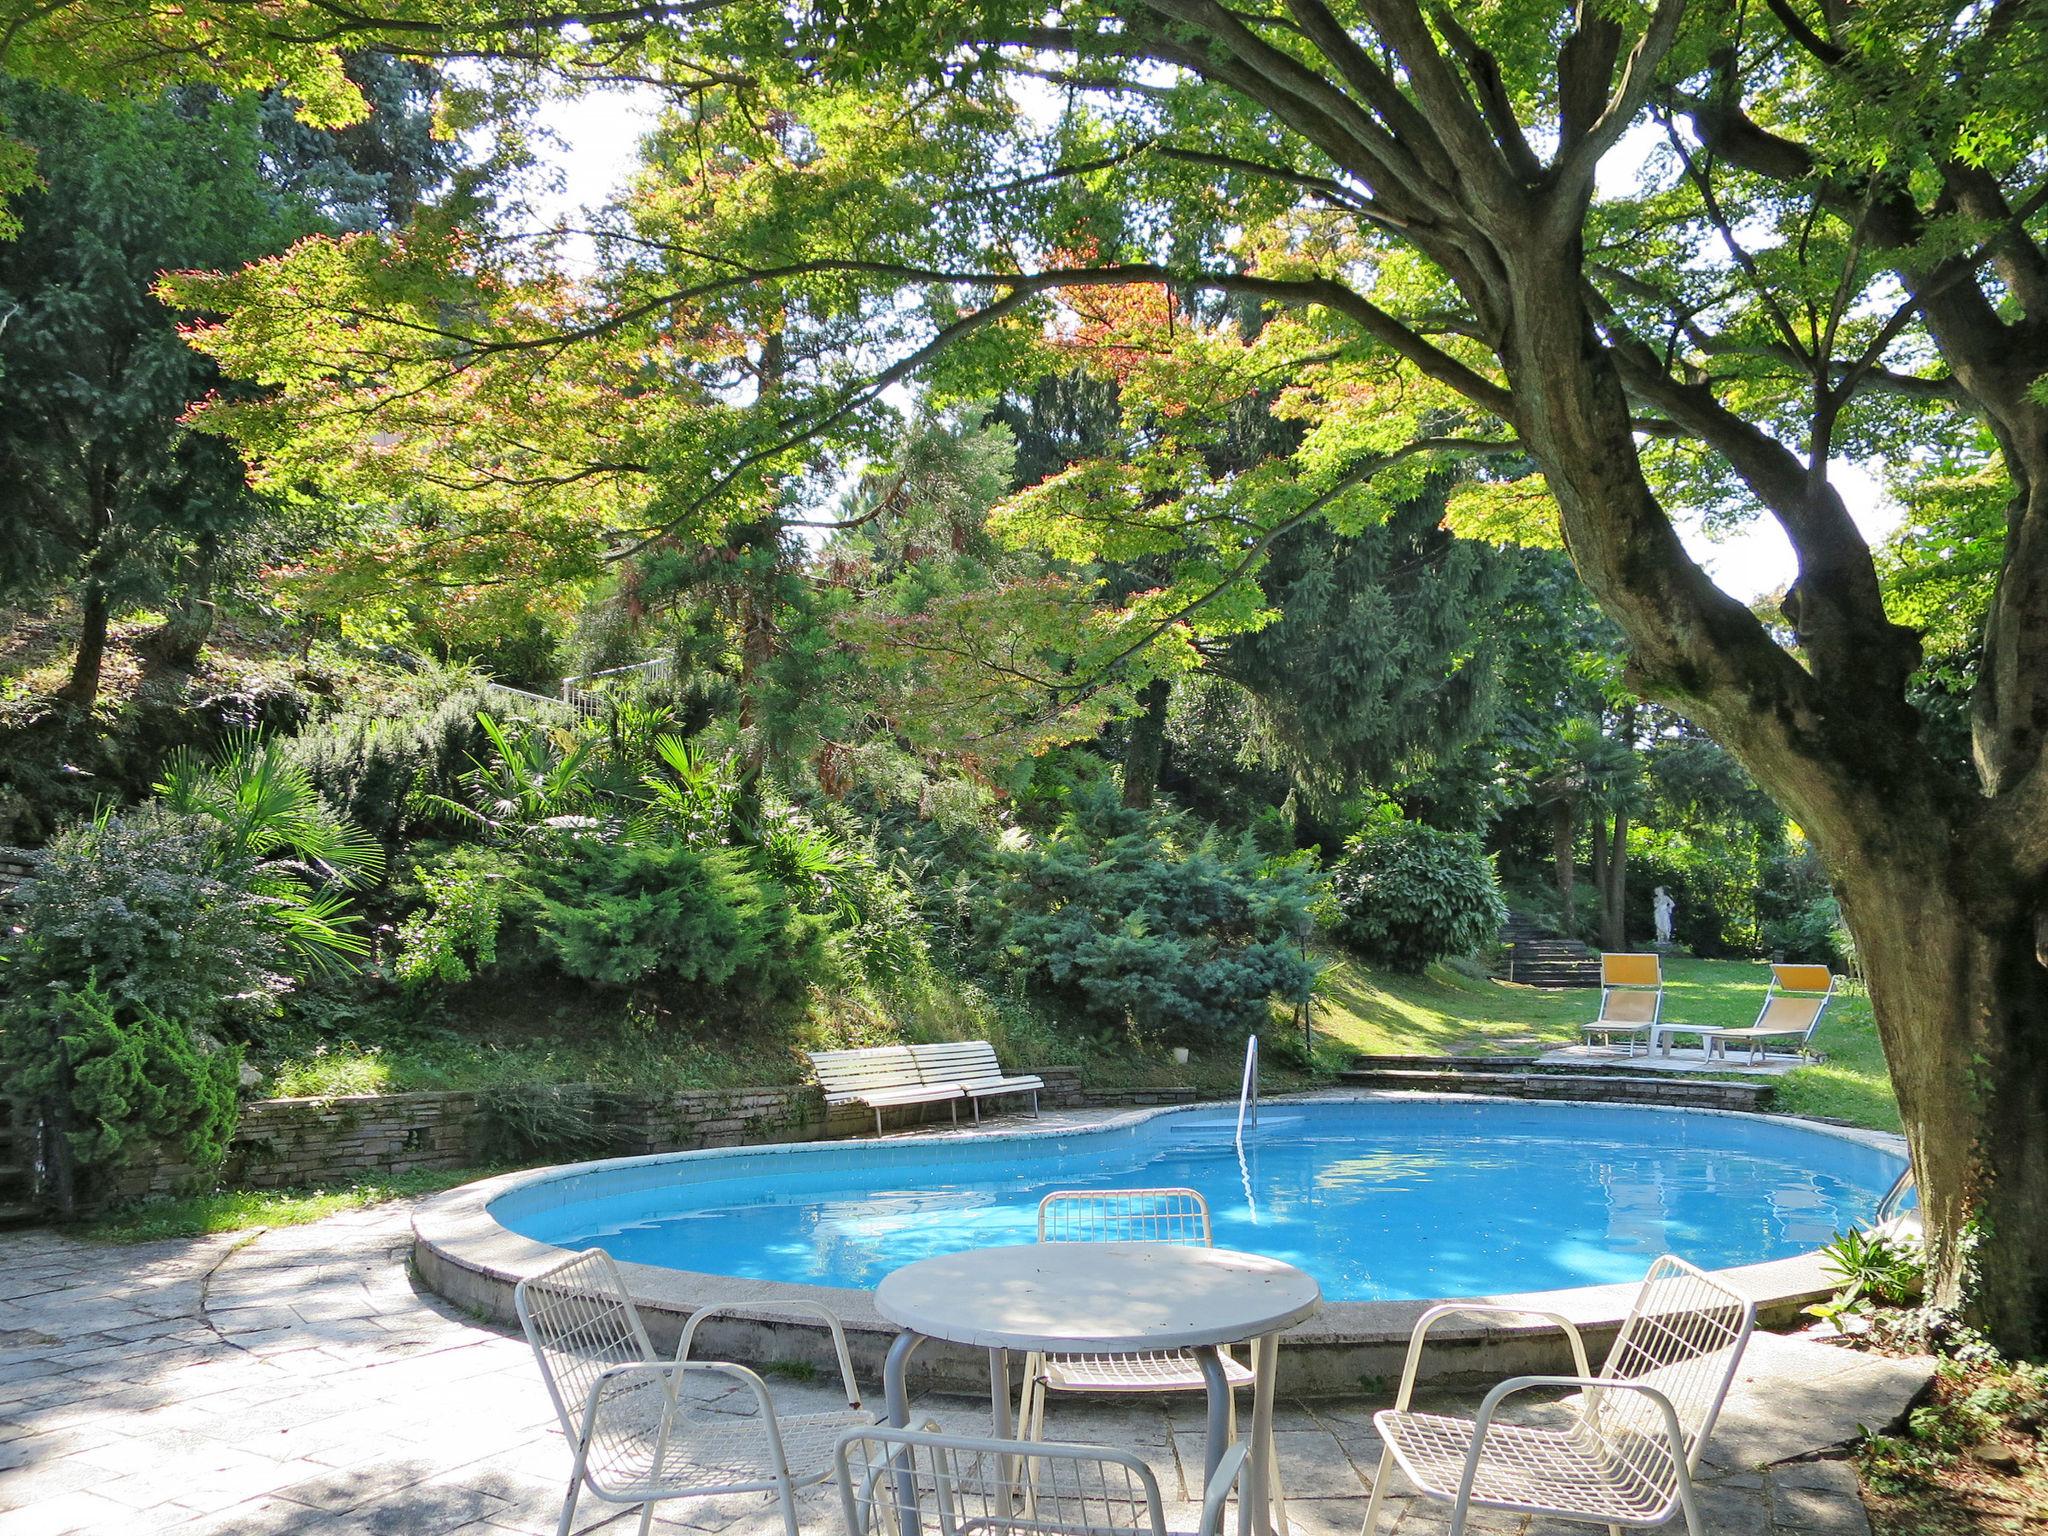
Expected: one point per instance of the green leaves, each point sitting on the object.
(132, 1086)
(299, 857)
(1137, 921)
(622, 914)
(1408, 895)
(533, 776)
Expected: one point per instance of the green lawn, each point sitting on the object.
(236, 1210)
(1446, 1013)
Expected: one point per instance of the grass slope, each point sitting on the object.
(1361, 1011)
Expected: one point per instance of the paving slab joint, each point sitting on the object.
(248, 1240)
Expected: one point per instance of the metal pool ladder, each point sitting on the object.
(1889, 1208)
(1248, 1095)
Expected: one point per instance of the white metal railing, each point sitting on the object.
(1248, 1094)
(525, 699)
(589, 702)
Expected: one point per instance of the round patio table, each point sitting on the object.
(1106, 1299)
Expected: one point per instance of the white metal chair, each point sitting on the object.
(1170, 1215)
(1637, 1430)
(636, 1439)
(1178, 1216)
(905, 1482)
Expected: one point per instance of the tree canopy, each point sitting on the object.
(1678, 257)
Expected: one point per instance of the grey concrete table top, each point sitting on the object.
(1102, 1298)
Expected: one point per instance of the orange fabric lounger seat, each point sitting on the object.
(1631, 1000)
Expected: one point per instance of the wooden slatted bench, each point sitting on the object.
(881, 1077)
(972, 1065)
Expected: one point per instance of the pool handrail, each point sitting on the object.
(1248, 1094)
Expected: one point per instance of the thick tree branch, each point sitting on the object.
(1835, 603)
(1578, 164)
(1483, 70)
(1585, 66)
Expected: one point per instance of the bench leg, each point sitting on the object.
(1034, 1103)
(977, 1111)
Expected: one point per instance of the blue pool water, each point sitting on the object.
(1379, 1201)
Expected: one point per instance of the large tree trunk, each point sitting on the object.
(1145, 751)
(1950, 951)
(1597, 828)
(1564, 831)
(1614, 886)
(1939, 885)
(95, 609)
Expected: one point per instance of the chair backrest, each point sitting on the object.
(1684, 1336)
(1125, 1216)
(849, 1074)
(580, 1322)
(908, 1482)
(950, 1063)
(1796, 998)
(1618, 970)
(1631, 989)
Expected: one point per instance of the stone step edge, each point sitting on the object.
(1510, 1066)
(1704, 1091)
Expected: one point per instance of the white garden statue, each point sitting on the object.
(1664, 907)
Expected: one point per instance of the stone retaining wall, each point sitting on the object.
(287, 1143)
(17, 868)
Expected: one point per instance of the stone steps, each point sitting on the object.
(1536, 957)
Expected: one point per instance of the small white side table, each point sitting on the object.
(1106, 1299)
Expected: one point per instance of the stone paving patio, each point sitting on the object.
(295, 1381)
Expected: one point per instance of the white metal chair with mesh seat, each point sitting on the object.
(1170, 1215)
(1179, 1216)
(1636, 1430)
(636, 1438)
(907, 1482)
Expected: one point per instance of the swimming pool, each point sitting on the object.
(1380, 1201)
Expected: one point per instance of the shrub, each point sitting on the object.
(1134, 917)
(529, 1121)
(1813, 934)
(154, 908)
(1408, 895)
(623, 913)
(383, 770)
(110, 1082)
(455, 934)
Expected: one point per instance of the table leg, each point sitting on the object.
(896, 1400)
(1218, 1432)
(1255, 1508)
(895, 1396)
(1000, 1417)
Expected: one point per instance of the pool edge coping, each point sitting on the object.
(465, 1254)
